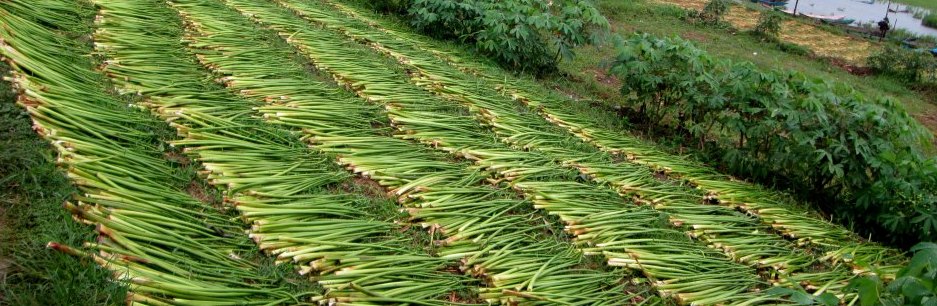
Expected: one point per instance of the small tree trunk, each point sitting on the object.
(702, 142)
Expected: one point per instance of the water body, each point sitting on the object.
(866, 11)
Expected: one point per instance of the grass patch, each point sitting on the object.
(931, 20)
(32, 191)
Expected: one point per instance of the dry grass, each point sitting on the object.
(742, 18)
(827, 44)
(687, 4)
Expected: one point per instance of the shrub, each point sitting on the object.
(862, 158)
(529, 35)
(769, 25)
(714, 11)
(905, 64)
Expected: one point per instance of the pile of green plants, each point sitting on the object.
(862, 159)
(525, 35)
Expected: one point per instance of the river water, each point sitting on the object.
(865, 11)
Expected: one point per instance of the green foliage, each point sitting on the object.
(714, 11)
(930, 20)
(527, 35)
(862, 158)
(914, 66)
(916, 284)
(769, 25)
(388, 6)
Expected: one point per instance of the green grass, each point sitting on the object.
(925, 4)
(32, 191)
(931, 20)
(585, 76)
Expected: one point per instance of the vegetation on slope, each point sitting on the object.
(510, 123)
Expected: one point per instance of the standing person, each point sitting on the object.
(884, 26)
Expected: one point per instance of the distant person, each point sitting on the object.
(884, 26)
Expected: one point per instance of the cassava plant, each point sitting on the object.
(769, 26)
(915, 284)
(714, 11)
(865, 157)
(525, 35)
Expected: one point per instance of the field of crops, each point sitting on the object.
(387, 167)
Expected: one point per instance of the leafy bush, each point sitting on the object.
(862, 158)
(769, 25)
(930, 20)
(528, 35)
(715, 10)
(908, 65)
